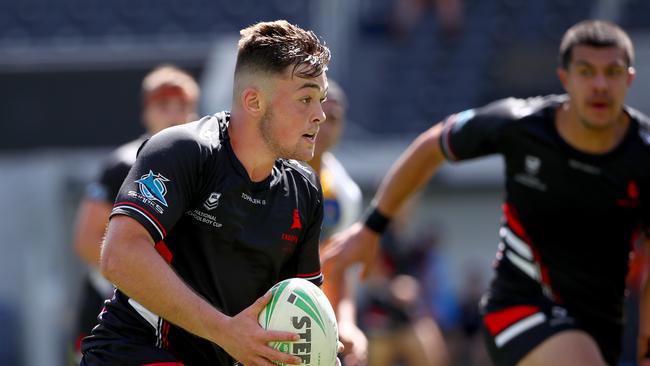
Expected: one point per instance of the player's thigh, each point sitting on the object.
(416, 351)
(567, 348)
(382, 349)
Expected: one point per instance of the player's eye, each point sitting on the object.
(306, 100)
(614, 71)
(586, 71)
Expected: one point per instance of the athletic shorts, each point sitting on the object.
(111, 354)
(512, 330)
(91, 303)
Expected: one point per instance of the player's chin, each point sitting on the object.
(304, 154)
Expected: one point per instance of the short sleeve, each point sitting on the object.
(475, 132)
(162, 182)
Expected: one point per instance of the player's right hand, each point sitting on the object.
(247, 342)
(357, 244)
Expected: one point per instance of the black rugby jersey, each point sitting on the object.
(228, 238)
(569, 218)
(114, 171)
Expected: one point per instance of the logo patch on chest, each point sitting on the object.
(529, 178)
(212, 201)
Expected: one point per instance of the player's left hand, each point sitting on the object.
(339, 349)
(356, 244)
(355, 342)
(247, 342)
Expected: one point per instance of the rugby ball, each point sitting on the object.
(299, 306)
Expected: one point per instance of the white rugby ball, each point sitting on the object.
(299, 306)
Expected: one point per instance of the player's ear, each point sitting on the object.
(631, 75)
(563, 76)
(253, 101)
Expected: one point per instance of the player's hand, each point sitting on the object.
(340, 348)
(643, 350)
(356, 244)
(247, 342)
(355, 342)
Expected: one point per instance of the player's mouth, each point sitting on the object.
(599, 104)
(310, 137)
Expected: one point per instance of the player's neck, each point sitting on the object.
(250, 149)
(586, 139)
(316, 163)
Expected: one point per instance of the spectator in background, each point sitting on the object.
(449, 15)
(577, 170)
(342, 207)
(169, 97)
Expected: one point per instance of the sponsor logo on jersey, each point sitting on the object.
(559, 316)
(632, 199)
(295, 224)
(255, 201)
(296, 220)
(152, 186)
(212, 201)
(587, 168)
(532, 166)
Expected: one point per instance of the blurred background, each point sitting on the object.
(70, 73)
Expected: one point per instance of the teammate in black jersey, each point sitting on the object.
(215, 212)
(577, 172)
(169, 97)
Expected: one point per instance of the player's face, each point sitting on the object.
(330, 131)
(293, 115)
(166, 112)
(597, 80)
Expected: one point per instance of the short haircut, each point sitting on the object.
(595, 33)
(168, 79)
(271, 47)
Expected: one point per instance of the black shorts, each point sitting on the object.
(126, 354)
(91, 303)
(511, 330)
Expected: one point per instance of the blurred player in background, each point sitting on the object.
(169, 97)
(342, 207)
(213, 213)
(577, 194)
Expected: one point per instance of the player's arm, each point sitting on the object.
(90, 226)
(130, 261)
(408, 174)
(644, 314)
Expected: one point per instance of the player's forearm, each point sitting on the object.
(135, 267)
(410, 172)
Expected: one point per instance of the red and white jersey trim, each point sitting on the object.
(519, 327)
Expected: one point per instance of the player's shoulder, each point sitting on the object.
(643, 122)
(515, 109)
(206, 134)
(301, 170)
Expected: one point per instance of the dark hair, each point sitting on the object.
(273, 46)
(595, 33)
